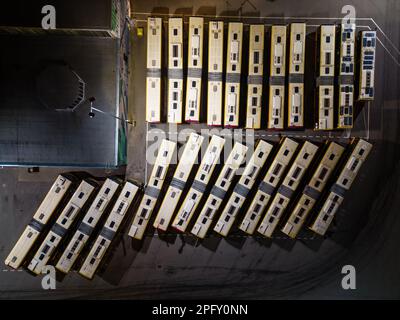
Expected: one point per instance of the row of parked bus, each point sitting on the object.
(260, 188)
(286, 54)
(287, 180)
(74, 214)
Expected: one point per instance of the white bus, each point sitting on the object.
(296, 75)
(58, 191)
(64, 222)
(276, 106)
(199, 185)
(186, 163)
(233, 72)
(255, 77)
(243, 187)
(153, 188)
(87, 225)
(109, 230)
(175, 70)
(268, 185)
(367, 66)
(153, 77)
(343, 183)
(313, 190)
(326, 80)
(219, 190)
(195, 69)
(346, 76)
(287, 189)
(215, 73)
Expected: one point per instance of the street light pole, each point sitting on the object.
(94, 109)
